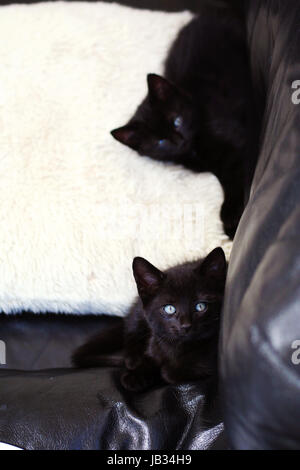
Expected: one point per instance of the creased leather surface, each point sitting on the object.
(45, 408)
(70, 409)
(261, 314)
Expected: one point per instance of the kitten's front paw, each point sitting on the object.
(132, 362)
(230, 218)
(168, 377)
(230, 229)
(135, 382)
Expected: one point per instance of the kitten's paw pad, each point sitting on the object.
(135, 383)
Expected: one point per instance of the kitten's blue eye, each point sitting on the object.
(201, 307)
(162, 142)
(178, 122)
(169, 309)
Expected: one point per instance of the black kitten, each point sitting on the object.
(199, 114)
(171, 333)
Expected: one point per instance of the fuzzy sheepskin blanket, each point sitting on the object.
(75, 205)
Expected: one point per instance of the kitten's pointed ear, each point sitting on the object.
(159, 87)
(214, 267)
(147, 277)
(128, 135)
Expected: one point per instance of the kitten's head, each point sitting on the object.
(183, 302)
(163, 126)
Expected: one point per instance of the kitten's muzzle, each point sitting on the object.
(186, 327)
(177, 139)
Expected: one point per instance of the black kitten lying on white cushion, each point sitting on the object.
(198, 115)
(171, 333)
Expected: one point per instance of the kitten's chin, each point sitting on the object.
(166, 159)
(184, 336)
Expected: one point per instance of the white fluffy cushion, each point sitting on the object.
(75, 205)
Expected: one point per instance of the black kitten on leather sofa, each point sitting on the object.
(260, 374)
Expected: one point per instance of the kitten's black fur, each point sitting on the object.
(199, 115)
(162, 347)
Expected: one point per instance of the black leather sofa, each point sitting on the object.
(260, 378)
(45, 404)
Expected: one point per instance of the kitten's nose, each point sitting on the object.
(177, 139)
(186, 327)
